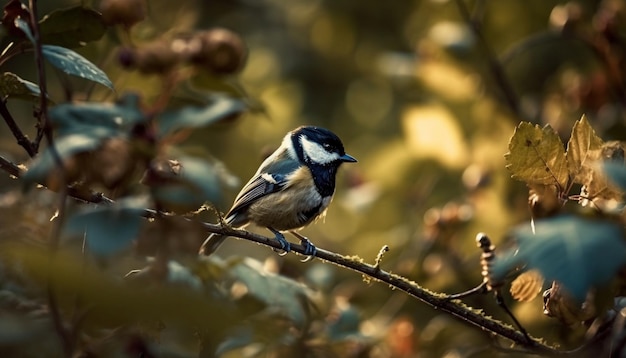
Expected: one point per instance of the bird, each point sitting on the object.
(290, 189)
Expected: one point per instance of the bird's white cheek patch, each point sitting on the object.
(316, 153)
(268, 178)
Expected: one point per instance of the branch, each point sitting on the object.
(44, 125)
(438, 301)
(435, 300)
(22, 139)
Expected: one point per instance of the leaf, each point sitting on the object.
(97, 119)
(535, 60)
(578, 253)
(74, 64)
(345, 324)
(526, 286)
(536, 156)
(598, 188)
(71, 27)
(11, 85)
(583, 150)
(207, 81)
(109, 228)
(191, 183)
(616, 172)
(23, 25)
(114, 302)
(289, 297)
(202, 175)
(65, 147)
(193, 117)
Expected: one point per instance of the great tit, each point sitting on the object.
(291, 188)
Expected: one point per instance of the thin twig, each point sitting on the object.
(22, 139)
(494, 65)
(44, 129)
(44, 126)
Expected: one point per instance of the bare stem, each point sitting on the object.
(494, 65)
(22, 139)
(44, 126)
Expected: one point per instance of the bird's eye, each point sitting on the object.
(327, 146)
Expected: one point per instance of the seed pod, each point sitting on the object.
(220, 51)
(123, 12)
(156, 57)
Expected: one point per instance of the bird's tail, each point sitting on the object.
(211, 244)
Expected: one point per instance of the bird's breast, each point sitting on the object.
(298, 204)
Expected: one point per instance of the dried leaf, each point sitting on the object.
(599, 189)
(527, 286)
(560, 305)
(537, 156)
(583, 150)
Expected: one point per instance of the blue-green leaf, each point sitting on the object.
(196, 182)
(289, 297)
(97, 119)
(193, 117)
(65, 147)
(202, 175)
(579, 253)
(346, 324)
(108, 229)
(617, 173)
(23, 25)
(74, 64)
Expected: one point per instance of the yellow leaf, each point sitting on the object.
(597, 188)
(583, 150)
(527, 285)
(537, 156)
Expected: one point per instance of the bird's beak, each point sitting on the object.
(348, 158)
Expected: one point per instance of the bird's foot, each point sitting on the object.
(285, 246)
(309, 249)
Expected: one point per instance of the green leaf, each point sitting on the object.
(109, 229)
(193, 117)
(74, 64)
(288, 297)
(578, 253)
(583, 151)
(71, 27)
(65, 147)
(537, 156)
(97, 119)
(11, 85)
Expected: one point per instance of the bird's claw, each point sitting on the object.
(309, 249)
(285, 246)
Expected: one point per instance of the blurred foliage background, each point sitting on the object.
(425, 98)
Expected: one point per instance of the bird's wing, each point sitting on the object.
(271, 179)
